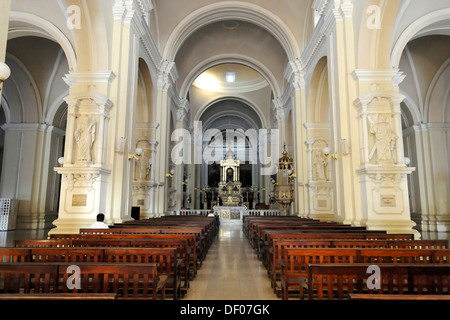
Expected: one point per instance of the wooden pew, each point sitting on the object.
(276, 253)
(274, 236)
(166, 260)
(339, 281)
(130, 281)
(190, 238)
(100, 240)
(271, 235)
(126, 281)
(90, 252)
(14, 255)
(296, 262)
(294, 267)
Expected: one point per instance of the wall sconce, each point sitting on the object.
(407, 161)
(61, 161)
(5, 73)
(136, 155)
(170, 174)
(326, 153)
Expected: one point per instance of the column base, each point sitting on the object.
(435, 223)
(393, 227)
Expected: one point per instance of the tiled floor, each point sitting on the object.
(231, 271)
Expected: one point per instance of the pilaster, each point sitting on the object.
(383, 171)
(85, 172)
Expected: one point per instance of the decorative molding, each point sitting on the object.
(294, 73)
(81, 177)
(99, 77)
(320, 5)
(393, 76)
(167, 75)
(280, 110)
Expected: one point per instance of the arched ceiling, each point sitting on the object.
(237, 41)
(232, 114)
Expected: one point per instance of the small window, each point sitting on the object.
(231, 77)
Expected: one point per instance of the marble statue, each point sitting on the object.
(85, 137)
(385, 139)
(320, 163)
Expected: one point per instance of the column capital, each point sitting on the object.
(279, 110)
(167, 75)
(95, 78)
(89, 102)
(379, 78)
(342, 9)
(295, 73)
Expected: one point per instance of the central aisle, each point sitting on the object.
(231, 270)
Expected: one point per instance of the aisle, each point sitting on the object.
(231, 271)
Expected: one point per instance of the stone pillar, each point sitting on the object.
(167, 76)
(320, 179)
(429, 154)
(84, 173)
(181, 121)
(280, 114)
(294, 74)
(383, 173)
(5, 7)
(31, 150)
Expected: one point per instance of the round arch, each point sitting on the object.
(413, 29)
(44, 29)
(244, 100)
(226, 10)
(237, 59)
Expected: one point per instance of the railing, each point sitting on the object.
(202, 212)
(190, 212)
(263, 212)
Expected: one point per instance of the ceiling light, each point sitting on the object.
(231, 77)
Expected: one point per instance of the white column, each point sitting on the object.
(294, 74)
(181, 119)
(29, 153)
(383, 173)
(5, 7)
(84, 183)
(166, 78)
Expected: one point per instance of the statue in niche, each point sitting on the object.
(144, 166)
(320, 164)
(229, 175)
(85, 137)
(385, 139)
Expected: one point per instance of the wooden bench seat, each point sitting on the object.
(166, 259)
(195, 259)
(126, 281)
(295, 264)
(339, 281)
(276, 253)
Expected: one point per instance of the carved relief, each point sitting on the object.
(385, 139)
(320, 164)
(85, 137)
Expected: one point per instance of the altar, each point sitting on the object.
(230, 188)
(230, 213)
